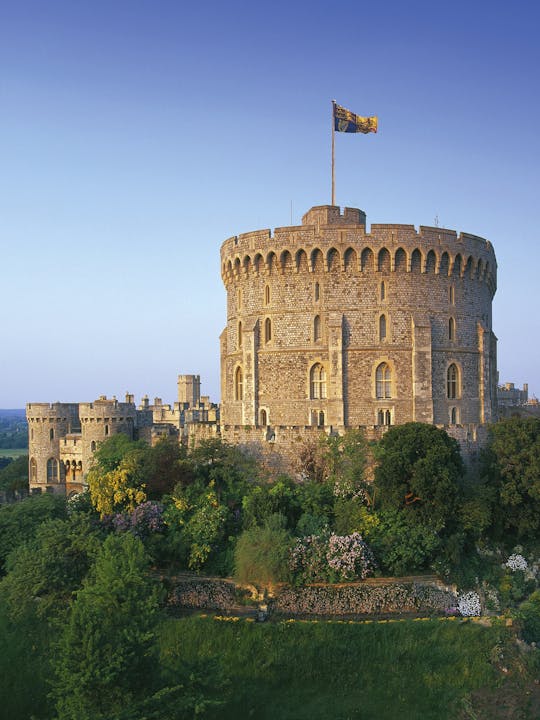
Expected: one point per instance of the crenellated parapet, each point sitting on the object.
(328, 241)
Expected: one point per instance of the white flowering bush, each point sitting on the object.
(469, 604)
(79, 502)
(516, 562)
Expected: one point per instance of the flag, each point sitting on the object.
(346, 121)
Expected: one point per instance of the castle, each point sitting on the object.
(63, 436)
(329, 327)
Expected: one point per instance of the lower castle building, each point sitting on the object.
(64, 436)
(329, 326)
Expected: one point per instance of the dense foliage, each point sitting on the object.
(14, 475)
(81, 610)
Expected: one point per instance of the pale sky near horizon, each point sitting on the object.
(136, 136)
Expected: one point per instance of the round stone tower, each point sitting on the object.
(48, 425)
(100, 420)
(331, 325)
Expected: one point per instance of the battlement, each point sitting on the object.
(345, 245)
(51, 411)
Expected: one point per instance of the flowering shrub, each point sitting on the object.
(469, 604)
(516, 562)
(331, 558)
(144, 520)
(147, 518)
(79, 502)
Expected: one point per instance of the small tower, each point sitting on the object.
(189, 390)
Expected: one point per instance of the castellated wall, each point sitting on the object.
(331, 325)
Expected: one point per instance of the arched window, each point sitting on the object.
(240, 334)
(267, 330)
(267, 295)
(238, 384)
(33, 470)
(451, 329)
(52, 470)
(93, 446)
(317, 292)
(317, 328)
(264, 417)
(382, 327)
(383, 381)
(383, 290)
(317, 382)
(453, 416)
(106, 429)
(51, 434)
(321, 419)
(452, 382)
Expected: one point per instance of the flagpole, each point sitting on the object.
(333, 153)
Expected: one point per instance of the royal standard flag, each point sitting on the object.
(346, 121)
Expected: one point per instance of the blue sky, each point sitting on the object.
(136, 136)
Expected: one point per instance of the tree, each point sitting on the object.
(43, 572)
(164, 466)
(14, 476)
(511, 468)
(120, 489)
(105, 660)
(418, 472)
(19, 522)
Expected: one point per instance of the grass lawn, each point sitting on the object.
(319, 670)
(13, 452)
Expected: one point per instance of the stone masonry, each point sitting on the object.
(332, 326)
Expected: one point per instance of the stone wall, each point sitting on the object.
(369, 597)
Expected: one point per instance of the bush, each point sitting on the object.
(529, 617)
(331, 558)
(262, 553)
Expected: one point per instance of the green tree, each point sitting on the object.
(164, 466)
(346, 458)
(265, 499)
(105, 660)
(110, 453)
(19, 522)
(419, 469)
(14, 476)
(43, 572)
(511, 469)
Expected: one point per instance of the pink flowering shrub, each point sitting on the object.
(331, 558)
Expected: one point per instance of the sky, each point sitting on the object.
(136, 136)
